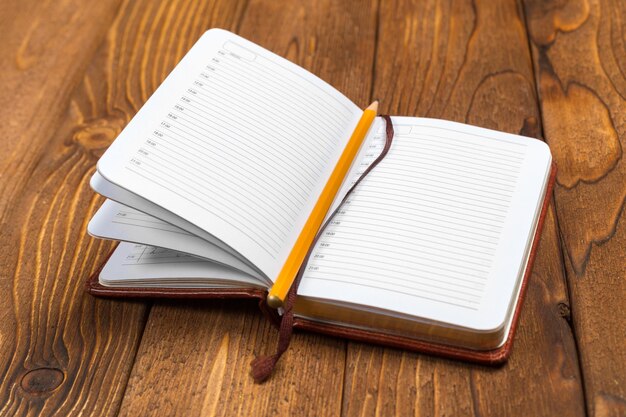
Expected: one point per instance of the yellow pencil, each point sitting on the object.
(287, 274)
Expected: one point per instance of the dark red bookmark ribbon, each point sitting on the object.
(262, 366)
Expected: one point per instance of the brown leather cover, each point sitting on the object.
(490, 357)
(93, 287)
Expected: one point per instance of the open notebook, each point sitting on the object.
(211, 183)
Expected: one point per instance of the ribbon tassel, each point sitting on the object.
(263, 366)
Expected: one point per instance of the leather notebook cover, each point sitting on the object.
(94, 287)
(488, 357)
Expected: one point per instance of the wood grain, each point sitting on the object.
(45, 48)
(61, 352)
(74, 73)
(200, 353)
(469, 62)
(64, 352)
(579, 52)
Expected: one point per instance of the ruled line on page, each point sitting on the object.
(476, 280)
(446, 142)
(472, 168)
(208, 97)
(426, 169)
(443, 144)
(221, 188)
(296, 184)
(380, 287)
(237, 128)
(430, 240)
(427, 221)
(436, 175)
(262, 93)
(143, 254)
(268, 173)
(265, 72)
(247, 177)
(456, 134)
(455, 292)
(451, 264)
(261, 86)
(268, 232)
(433, 218)
(450, 205)
(203, 127)
(318, 153)
(424, 246)
(478, 189)
(459, 237)
(144, 220)
(248, 141)
(180, 232)
(375, 188)
(253, 237)
(461, 159)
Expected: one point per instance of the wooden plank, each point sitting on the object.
(579, 54)
(469, 62)
(45, 48)
(200, 352)
(61, 352)
(195, 358)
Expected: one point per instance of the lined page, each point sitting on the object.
(116, 193)
(238, 141)
(445, 216)
(147, 266)
(118, 222)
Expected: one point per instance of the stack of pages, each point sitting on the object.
(211, 183)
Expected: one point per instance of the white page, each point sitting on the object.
(370, 150)
(237, 141)
(118, 222)
(440, 229)
(146, 266)
(119, 194)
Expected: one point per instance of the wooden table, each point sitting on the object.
(74, 73)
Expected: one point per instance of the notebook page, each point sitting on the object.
(116, 193)
(370, 150)
(439, 229)
(118, 222)
(147, 266)
(239, 142)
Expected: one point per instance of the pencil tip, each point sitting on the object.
(373, 106)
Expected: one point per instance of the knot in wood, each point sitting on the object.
(96, 135)
(564, 311)
(42, 380)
